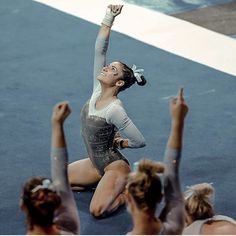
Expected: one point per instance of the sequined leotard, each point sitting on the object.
(98, 127)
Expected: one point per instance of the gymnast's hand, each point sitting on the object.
(178, 107)
(60, 112)
(115, 10)
(116, 140)
(119, 142)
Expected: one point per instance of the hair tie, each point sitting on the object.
(138, 73)
(46, 184)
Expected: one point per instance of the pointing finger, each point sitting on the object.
(181, 94)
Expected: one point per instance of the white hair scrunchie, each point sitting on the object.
(138, 73)
(46, 184)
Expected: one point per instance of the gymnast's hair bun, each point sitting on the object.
(142, 81)
(139, 77)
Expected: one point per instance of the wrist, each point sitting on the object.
(108, 19)
(121, 144)
(177, 127)
(177, 123)
(124, 144)
(57, 123)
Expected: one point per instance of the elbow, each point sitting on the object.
(179, 226)
(142, 144)
(138, 143)
(178, 229)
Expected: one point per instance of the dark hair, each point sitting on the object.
(40, 204)
(129, 78)
(145, 185)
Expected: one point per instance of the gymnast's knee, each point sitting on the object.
(98, 211)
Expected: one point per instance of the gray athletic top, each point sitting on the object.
(66, 217)
(196, 226)
(172, 216)
(98, 126)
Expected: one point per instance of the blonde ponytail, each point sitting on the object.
(145, 185)
(199, 200)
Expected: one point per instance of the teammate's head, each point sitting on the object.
(144, 187)
(39, 201)
(199, 202)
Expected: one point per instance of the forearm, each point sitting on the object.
(171, 175)
(67, 216)
(105, 30)
(59, 155)
(58, 137)
(130, 137)
(59, 159)
(126, 143)
(134, 144)
(176, 135)
(172, 159)
(101, 46)
(172, 215)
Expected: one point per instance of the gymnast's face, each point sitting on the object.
(111, 74)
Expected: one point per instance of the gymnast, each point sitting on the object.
(101, 119)
(200, 215)
(144, 187)
(49, 205)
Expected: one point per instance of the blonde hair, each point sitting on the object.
(145, 185)
(199, 201)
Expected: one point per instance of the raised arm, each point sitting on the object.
(172, 215)
(178, 111)
(102, 40)
(67, 218)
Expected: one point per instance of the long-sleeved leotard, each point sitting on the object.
(66, 217)
(99, 126)
(172, 216)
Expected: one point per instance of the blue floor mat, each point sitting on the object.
(47, 56)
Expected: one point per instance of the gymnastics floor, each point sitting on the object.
(47, 56)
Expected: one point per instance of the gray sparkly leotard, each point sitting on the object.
(98, 137)
(98, 127)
